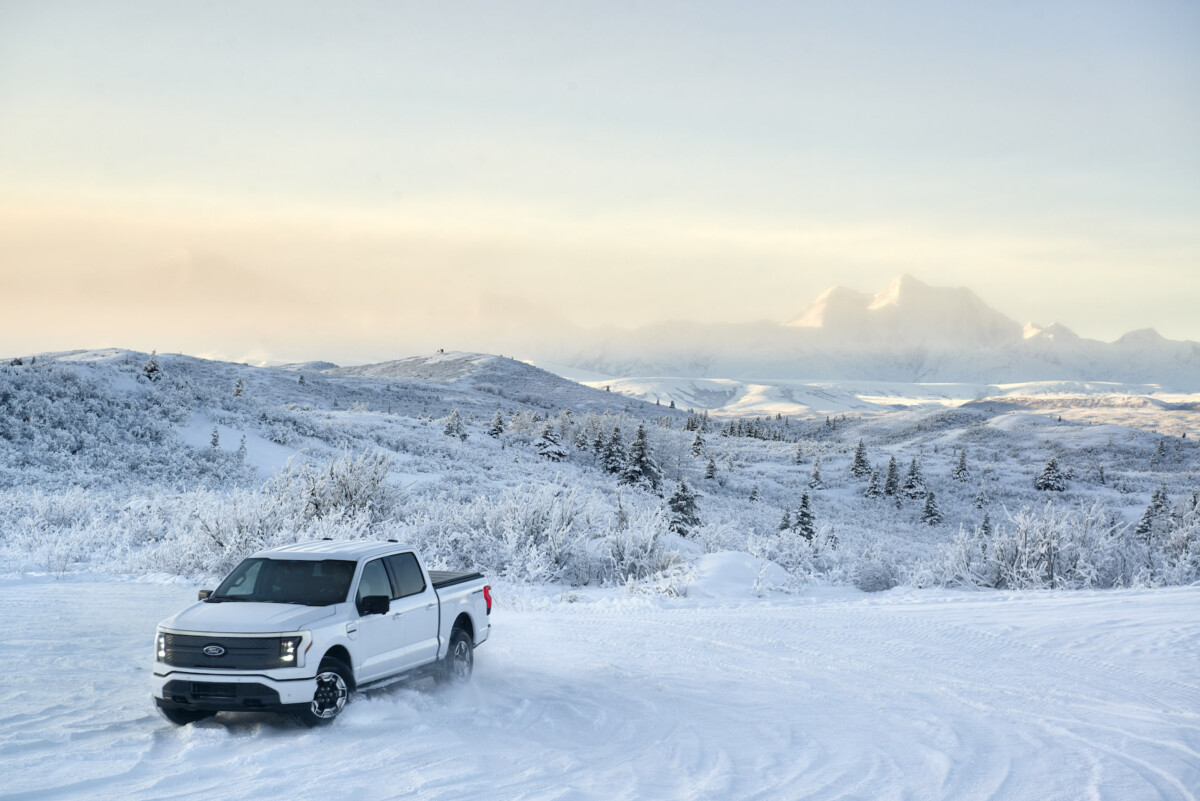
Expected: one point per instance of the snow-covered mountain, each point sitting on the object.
(909, 332)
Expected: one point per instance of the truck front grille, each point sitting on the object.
(240, 653)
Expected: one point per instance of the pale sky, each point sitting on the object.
(358, 181)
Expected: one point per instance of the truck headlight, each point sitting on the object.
(160, 647)
(287, 651)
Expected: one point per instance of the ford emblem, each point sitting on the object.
(214, 650)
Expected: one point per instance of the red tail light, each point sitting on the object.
(487, 596)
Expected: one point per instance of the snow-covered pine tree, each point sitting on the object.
(814, 475)
(598, 442)
(682, 507)
(860, 468)
(753, 494)
(614, 453)
(931, 514)
(454, 426)
(640, 468)
(799, 457)
(150, 369)
(961, 471)
(1051, 478)
(581, 439)
(241, 451)
(981, 497)
(985, 528)
(914, 482)
(698, 445)
(1154, 515)
(302, 382)
(891, 484)
(497, 427)
(873, 489)
(1160, 453)
(805, 525)
(711, 470)
(239, 388)
(215, 443)
(785, 523)
(547, 444)
(1100, 474)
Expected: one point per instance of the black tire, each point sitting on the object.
(334, 680)
(180, 717)
(459, 662)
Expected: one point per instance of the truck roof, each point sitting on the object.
(334, 549)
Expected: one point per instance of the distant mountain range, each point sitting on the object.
(909, 332)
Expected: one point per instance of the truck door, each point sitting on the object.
(418, 604)
(380, 637)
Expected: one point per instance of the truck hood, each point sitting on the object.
(240, 617)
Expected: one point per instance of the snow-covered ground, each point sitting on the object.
(601, 694)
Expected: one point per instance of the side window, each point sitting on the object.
(374, 581)
(407, 575)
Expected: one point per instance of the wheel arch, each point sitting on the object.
(340, 653)
(464, 622)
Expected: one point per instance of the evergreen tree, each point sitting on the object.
(698, 445)
(860, 467)
(891, 484)
(614, 454)
(302, 381)
(150, 369)
(753, 494)
(640, 468)
(581, 440)
(454, 426)
(711, 470)
(682, 505)
(1155, 514)
(980, 497)
(1100, 473)
(241, 451)
(931, 514)
(1160, 453)
(216, 439)
(239, 388)
(785, 524)
(799, 457)
(497, 426)
(805, 526)
(961, 472)
(873, 489)
(985, 528)
(598, 442)
(914, 483)
(547, 444)
(1051, 478)
(814, 476)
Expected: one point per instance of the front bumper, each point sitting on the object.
(228, 693)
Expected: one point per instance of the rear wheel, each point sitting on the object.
(459, 661)
(181, 717)
(331, 693)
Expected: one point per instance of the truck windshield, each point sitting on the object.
(287, 581)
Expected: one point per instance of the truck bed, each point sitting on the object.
(448, 578)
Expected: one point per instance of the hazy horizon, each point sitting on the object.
(265, 181)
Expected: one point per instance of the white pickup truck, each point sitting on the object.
(297, 628)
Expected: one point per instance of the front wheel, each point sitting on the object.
(331, 693)
(459, 661)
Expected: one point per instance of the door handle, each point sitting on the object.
(396, 615)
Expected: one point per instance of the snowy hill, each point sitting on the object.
(908, 333)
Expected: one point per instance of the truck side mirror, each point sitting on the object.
(203, 595)
(374, 605)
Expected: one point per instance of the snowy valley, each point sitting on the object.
(950, 596)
